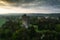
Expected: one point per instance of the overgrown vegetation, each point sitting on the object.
(38, 28)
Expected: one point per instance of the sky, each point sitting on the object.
(29, 6)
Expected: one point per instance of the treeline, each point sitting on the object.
(38, 29)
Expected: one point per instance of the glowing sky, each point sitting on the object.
(29, 6)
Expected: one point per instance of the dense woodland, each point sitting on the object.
(38, 28)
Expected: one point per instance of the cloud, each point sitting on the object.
(34, 5)
(10, 1)
(54, 3)
(18, 1)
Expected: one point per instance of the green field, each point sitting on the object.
(2, 21)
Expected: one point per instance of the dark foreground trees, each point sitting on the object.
(40, 29)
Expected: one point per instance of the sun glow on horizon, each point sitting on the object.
(9, 9)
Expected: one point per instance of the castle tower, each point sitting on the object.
(25, 20)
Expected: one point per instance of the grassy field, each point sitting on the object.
(2, 21)
(58, 27)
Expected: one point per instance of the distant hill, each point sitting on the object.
(32, 14)
(41, 14)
